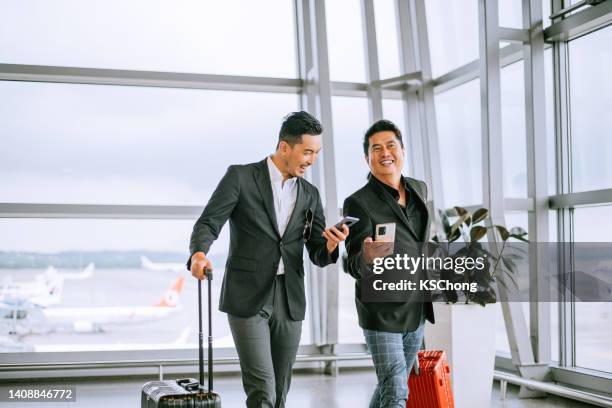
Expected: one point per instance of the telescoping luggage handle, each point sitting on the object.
(208, 276)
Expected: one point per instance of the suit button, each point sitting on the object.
(282, 244)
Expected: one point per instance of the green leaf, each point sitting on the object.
(460, 211)
(503, 232)
(519, 237)
(479, 215)
(454, 235)
(477, 232)
(517, 231)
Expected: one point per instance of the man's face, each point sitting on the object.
(385, 154)
(298, 158)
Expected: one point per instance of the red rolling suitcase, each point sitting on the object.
(429, 383)
(186, 392)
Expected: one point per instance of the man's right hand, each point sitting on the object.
(200, 265)
(375, 249)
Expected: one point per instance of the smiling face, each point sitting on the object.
(297, 158)
(385, 155)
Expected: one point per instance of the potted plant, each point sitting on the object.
(465, 325)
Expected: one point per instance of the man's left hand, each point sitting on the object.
(334, 236)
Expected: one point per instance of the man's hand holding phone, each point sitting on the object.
(375, 249)
(383, 246)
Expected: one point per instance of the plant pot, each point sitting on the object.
(467, 334)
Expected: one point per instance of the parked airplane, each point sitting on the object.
(94, 319)
(45, 290)
(162, 266)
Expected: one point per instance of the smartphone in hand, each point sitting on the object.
(348, 221)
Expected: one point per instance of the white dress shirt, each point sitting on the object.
(285, 195)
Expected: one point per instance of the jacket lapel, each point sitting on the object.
(262, 179)
(414, 188)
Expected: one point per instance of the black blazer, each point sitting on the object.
(373, 205)
(244, 196)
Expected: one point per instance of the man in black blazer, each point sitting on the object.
(273, 212)
(393, 330)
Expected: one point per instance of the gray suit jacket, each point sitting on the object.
(244, 196)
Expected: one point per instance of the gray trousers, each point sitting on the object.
(267, 344)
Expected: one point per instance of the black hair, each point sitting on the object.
(297, 124)
(381, 126)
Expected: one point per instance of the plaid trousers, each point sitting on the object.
(393, 355)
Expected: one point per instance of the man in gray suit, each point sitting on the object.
(273, 212)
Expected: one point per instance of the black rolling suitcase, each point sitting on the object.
(186, 392)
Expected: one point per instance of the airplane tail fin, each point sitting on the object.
(171, 297)
(84, 274)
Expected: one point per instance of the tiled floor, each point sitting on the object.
(352, 388)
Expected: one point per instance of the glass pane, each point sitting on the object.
(511, 13)
(135, 263)
(590, 59)
(593, 319)
(129, 145)
(348, 321)
(351, 120)
(345, 40)
(237, 37)
(546, 12)
(513, 130)
(452, 27)
(387, 38)
(458, 116)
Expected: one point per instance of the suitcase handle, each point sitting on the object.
(208, 275)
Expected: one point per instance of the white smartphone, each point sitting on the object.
(385, 232)
(348, 221)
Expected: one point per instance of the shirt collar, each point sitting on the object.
(275, 174)
(394, 193)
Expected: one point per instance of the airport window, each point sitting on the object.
(345, 40)
(348, 325)
(385, 13)
(452, 27)
(593, 319)
(100, 144)
(511, 13)
(195, 37)
(590, 58)
(101, 282)
(351, 120)
(458, 117)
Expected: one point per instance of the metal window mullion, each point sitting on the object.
(535, 115)
(371, 60)
(413, 137)
(431, 145)
(567, 337)
(100, 76)
(307, 102)
(313, 33)
(493, 197)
